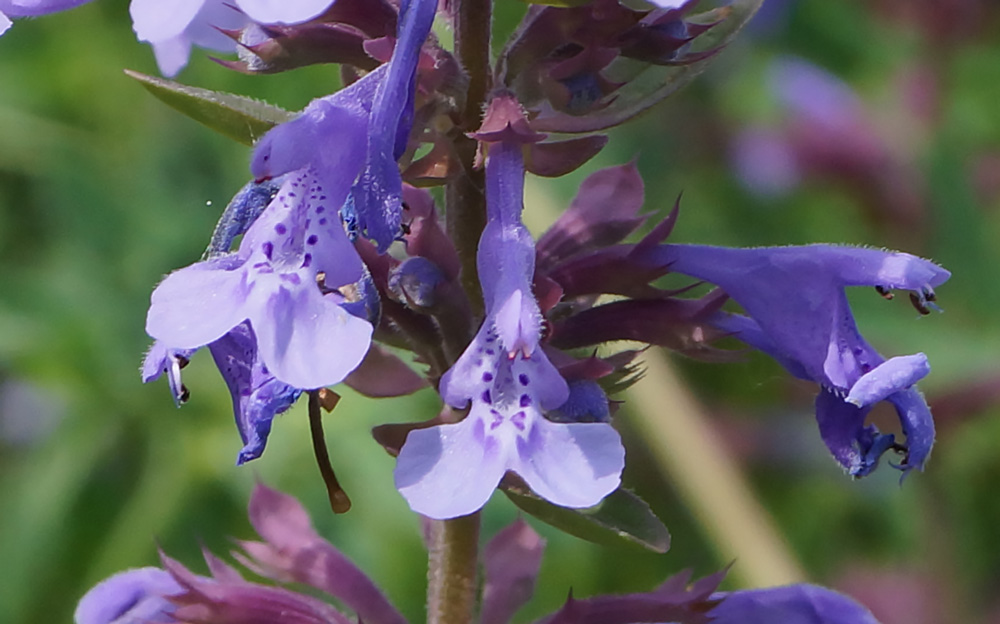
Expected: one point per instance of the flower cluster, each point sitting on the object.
(292, 552)
(333, 264)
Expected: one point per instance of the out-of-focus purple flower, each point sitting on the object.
(173, 26)
(130, 597)
(32, 8)
(797, 312)
(791, 604)
(304, 337)
(451, 470)
(378, 192)
(292, 552)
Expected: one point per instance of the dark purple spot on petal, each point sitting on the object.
(311, 240)
(525, 400)
(487, 376)
(306, 261)
(490, 352)
(322, 221)
(523, 379)
(280, 229)
(321, 209)
(268, 249)
(487, 397)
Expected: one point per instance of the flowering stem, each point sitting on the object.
(465, 195)
(451, 577)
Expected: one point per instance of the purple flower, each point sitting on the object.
(792, 604)
(32, 8)
(292, 552)
(797, 312)
(129, 597)
(172, 27)
(451, 470)
(281, 280)
(377, 195)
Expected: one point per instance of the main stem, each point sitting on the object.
(465, 195)
(451, 578)
(454, 544)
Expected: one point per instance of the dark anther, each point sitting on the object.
(405, 227)
(885, 292)
(929, 294)
(902, 450)
(545, 330)
(919, 303)
(182, 361)
(406, 206)
(185, 394)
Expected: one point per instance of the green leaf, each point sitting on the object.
(238, 117)
(622, 518)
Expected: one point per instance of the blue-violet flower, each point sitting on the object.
(451, 470)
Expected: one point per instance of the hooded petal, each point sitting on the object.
(379, 190)
(450, 470)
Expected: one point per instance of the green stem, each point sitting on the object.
(465, 195)
(451, 579)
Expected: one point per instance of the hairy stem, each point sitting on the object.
(451, 579)
(465, 195)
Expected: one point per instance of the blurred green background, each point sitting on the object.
(103, 190)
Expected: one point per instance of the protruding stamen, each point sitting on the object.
(885, 292)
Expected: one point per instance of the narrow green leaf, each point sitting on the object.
(622, 518)
(238, 117)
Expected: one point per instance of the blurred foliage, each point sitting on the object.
(103, 190)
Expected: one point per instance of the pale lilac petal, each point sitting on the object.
(33, 8)
(5, 23)
(307, 340)
(449, 470)
(160, 20)
(893, 375)
(129, 597)
(511, 562)
(573, 465)
(283, 11)
(172, 54)
(197, 304)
